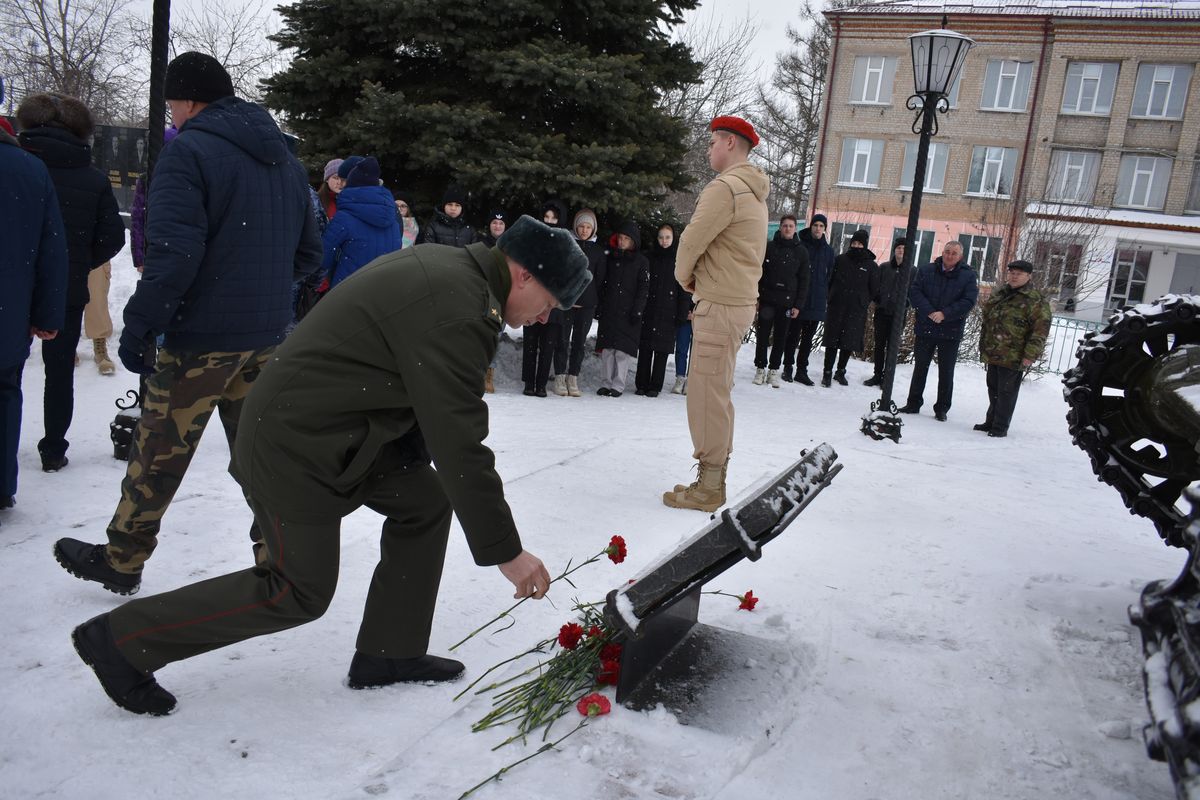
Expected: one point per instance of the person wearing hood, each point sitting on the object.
(781, 291)
(667, 307)
(889, 303)
(410, 229)
(34, 263)
(540, 342)
(624, 287)
(854, 283)
(56, 128)
(804, 327)
(720, 261)
(448, 225)
(578, 322)
(365, 227)
(230, 231)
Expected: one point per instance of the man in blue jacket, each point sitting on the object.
(942, 295)
(33, 261)
(229, 231)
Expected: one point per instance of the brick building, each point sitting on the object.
(1072, 139)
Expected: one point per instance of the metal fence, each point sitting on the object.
(1065, 333)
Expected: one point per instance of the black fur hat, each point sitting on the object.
(550, 255)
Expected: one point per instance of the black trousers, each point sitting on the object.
(1003, 385)
(842, 357)
(651, 370)
(10, 427)
(574, 337)
(800, 333)
(59, 399)
(883, 329)
(771, 329)
(540, 342)
(947, 354)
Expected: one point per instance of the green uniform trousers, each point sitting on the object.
(295, 583)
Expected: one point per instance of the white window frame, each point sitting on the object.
(1174, 78)
(865, 152)
(1192, 205)
(996, 160)
(1102, 76)
(988, 248)
(1126, 285)
(1142, 189)
(1072, 176)
(935, 171)
(881, 69)
(1020, 75)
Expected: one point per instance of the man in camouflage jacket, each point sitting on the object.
(1016, 321)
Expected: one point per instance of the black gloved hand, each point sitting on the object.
(132, 352)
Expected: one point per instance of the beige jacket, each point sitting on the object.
(723, 247)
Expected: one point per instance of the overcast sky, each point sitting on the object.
(771, 17)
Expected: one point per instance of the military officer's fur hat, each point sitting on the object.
(550, 255)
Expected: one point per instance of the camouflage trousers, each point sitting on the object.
(179, 399)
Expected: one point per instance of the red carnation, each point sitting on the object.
(749, 601)
(610, 652)
(595, 631)
(609, 672)
(616, 549)
(593, 705)
(569, 635)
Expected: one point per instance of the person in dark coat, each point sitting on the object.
(667, 306)
(541, 341)
(855, 281)
(230, 231)
(56, 129)
(579, 318)
(624, 287)
(497, 224)
(942, 295)
(804, 327)
(365, 227)
(311, 451)
(448, 225)
(782, 290)
(889, 303)
(33, 261)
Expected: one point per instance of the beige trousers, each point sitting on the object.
(97, 324)
(717, 333)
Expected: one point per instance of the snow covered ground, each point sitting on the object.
(948, 619)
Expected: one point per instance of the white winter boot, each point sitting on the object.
(680, 380)
(760, 375)
(573, 386)
(773, 378)
(560, 385)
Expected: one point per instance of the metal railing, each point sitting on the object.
(1065, 333)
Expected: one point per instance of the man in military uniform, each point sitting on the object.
(385, 373)
(1016, 321)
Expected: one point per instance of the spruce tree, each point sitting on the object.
(515, 100)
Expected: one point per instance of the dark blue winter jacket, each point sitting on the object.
(952, 293)
(364, 229)
(33, 253)
(228, 232)
(820, 266)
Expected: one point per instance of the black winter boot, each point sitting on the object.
(874, 380)
(130, 689)
(786, 375)
(826, 379)
(87, 561)
(371, 672)
(802, 377)
(840, 377)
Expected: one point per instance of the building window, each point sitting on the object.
(982, 253)
(1089, 88)
(1128, 283)
(953, 97)
(992, 171)
(1161, 90)
(873, 80)
(1193, 199)
(861, 161)
(1006, 85)
(1072, 176)
(935, 169)
(841, 232)
(924, 249)
(1142, 182)
(1059, 262)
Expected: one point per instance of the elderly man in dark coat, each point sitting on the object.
(33, 261)
(229, 232)
(855, 281)
(415, 330)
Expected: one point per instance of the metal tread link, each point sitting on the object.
(1107, 426)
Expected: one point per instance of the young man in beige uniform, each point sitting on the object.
(720, 261)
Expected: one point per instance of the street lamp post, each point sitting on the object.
(938, 57)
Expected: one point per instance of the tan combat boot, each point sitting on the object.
(100, 353)
(706, 494)
(679, 487)
(489, 384)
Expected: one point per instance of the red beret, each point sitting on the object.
(736, 125)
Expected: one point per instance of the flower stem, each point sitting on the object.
(499, 773)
